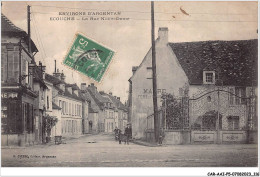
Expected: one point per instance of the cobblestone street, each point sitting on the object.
(103, 151)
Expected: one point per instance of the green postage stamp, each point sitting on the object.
(88, 57)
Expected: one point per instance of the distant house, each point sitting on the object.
(204, 70)
(120, 118)
(101, 109)
(66, 96)
(86, 101)
(40, 87)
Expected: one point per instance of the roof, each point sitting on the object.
(54, 106)
(92, 110)
(53, 79)
(117, 103)
(234, 62)
(74, 96)
(7, 27)
(84, 95)
(97, 97)
(38, 77)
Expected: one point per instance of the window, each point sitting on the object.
(67, 108)
(48, 102)
(13, 65)
(233, 122)
(72, 106)
(4, 64)
(149, 73)
(231, 96)
(80, 110)
(208, 77)
(25, 69)
(237, 95)
(75, 113)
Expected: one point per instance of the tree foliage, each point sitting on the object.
(48, 123)
(174, 117)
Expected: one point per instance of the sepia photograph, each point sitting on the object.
(130, 84)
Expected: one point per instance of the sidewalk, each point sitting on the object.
(144, 143)
(65, 140)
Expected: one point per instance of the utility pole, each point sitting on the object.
(29, 28)
(155, 106)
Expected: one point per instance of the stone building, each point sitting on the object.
(66, 96)
(120, 111)
(102, 111)
(220, 78)
(18, 81)
(40, 87)
(85, 108)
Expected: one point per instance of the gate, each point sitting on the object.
(207, 116)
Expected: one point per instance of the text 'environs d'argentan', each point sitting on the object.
(90, 16)
(89, 13)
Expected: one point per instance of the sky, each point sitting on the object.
(130, 39)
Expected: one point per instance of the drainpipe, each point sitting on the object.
(217, 126)
(20, 61)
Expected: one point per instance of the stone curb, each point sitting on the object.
(143, 143)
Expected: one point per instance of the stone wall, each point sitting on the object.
(209, 102)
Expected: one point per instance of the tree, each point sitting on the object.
(174, 116)
(48, 123)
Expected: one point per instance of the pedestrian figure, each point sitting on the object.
(116, 131)
(128, 133)
(161, 136)
(120, 136)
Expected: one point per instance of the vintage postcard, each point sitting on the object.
(130, 84)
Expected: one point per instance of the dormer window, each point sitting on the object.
(208, 77)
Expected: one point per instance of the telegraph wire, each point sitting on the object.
(38, 36)
(141, 11)
(173, 20)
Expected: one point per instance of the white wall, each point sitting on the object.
(170, 77)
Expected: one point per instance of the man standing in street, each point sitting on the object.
(161, 136)
(116, 131)
(128, 133)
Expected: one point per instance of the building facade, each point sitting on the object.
(66, 97)
(170, 77)
(17, 82)
(218, 77)
(85, 108)
(102, 109)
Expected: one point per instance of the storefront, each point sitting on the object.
(17, 114)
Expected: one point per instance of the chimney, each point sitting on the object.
(110, 93)
(93, 87)
(118, 98)
(75, 90)
(163, 35)
(57, 74)
(62, 76)
(69, 88)
(134, 68)
(55, 66)
(83, 86)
